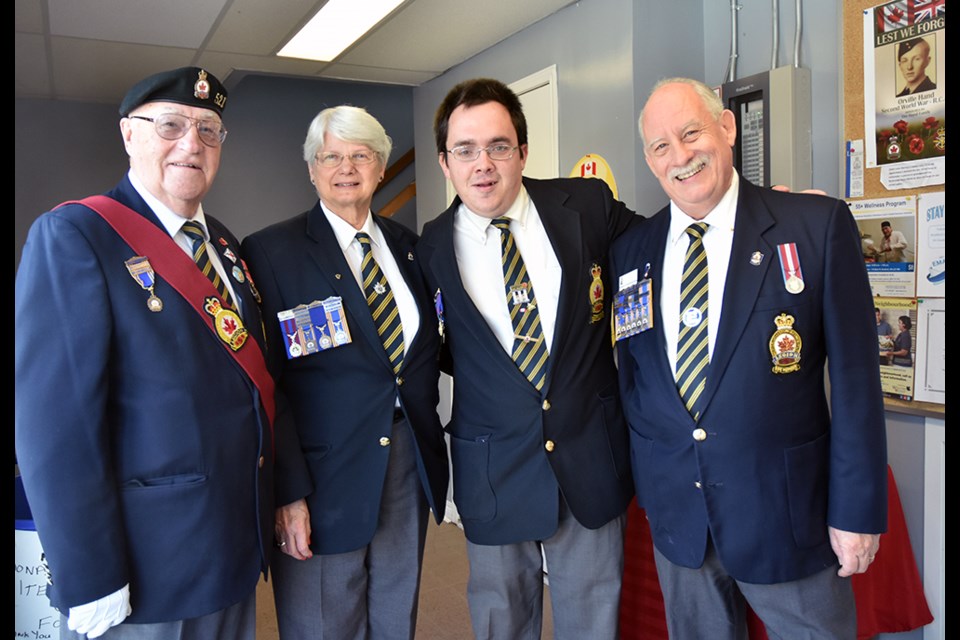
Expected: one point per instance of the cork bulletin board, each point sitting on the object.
(889, 80)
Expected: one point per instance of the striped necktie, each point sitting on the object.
(693, 353)
(194, 231)
(383, 308)
(529, 345)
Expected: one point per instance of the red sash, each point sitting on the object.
(181, 273)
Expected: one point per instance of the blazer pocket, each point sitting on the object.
(808, 478)
(179, 481)
(472, 491)
(781, 301)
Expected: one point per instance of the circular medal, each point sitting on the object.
(794, 284)
(341, 337)
(692, 317)
(154, 303)
(295, 350)
(325, 342)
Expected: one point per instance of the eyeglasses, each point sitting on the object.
(173, 126)
(333, 159)
(469, 152)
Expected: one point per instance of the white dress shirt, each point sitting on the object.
(353, 252)
(173, 223)
(718, 243)
(480, 260)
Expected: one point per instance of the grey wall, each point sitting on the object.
(819, 52)
(68, 150)
(591, 42)
(62, 151)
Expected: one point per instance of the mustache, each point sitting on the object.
(699, 162)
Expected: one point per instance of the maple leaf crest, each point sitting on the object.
(229, 325)
(786, 343)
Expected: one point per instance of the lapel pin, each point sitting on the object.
(337, 276)
(756, 258)
(410, 256)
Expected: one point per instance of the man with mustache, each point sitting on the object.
(754, 491)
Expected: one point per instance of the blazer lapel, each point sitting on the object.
(743, 282)
(652, 248)
(328, 256)
(443, 264)
(563, 229)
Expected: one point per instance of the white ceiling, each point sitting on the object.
(94, 50)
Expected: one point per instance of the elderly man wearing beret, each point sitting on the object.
(143, 406)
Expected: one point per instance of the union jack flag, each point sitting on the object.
(897, 15)
(929, 9)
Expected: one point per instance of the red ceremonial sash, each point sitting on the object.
(181, 273)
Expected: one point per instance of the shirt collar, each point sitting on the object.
(477, 225)
(345, 232)
(170, 220)
(721, 216)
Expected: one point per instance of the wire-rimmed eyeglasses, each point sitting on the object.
(469, 152)
(173, 126)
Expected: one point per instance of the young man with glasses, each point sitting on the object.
(143, 406)
(538, 440)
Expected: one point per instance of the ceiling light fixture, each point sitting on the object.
(335, 27)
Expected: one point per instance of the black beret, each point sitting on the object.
(907, 45)
(191, 86)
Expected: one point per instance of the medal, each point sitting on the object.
(785, 345)
(790, 266)
(237, 274)
(253, 287)
(438, 306)
(141, 271)
(595, 294)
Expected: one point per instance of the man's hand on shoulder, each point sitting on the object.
(785, 189)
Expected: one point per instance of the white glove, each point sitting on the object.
(94, 618)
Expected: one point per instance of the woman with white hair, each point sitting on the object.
(353, 342)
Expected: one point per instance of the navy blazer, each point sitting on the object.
(337, 405)
(515, 449)
(145, 453)
(774, 469)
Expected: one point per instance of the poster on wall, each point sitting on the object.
(897, 346)
(888, 240)
(931, 245)
(904, 83)
(931, 368)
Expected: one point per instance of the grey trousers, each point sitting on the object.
(237, 622)
(371, 593)
(709, 603)
(585, 569)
